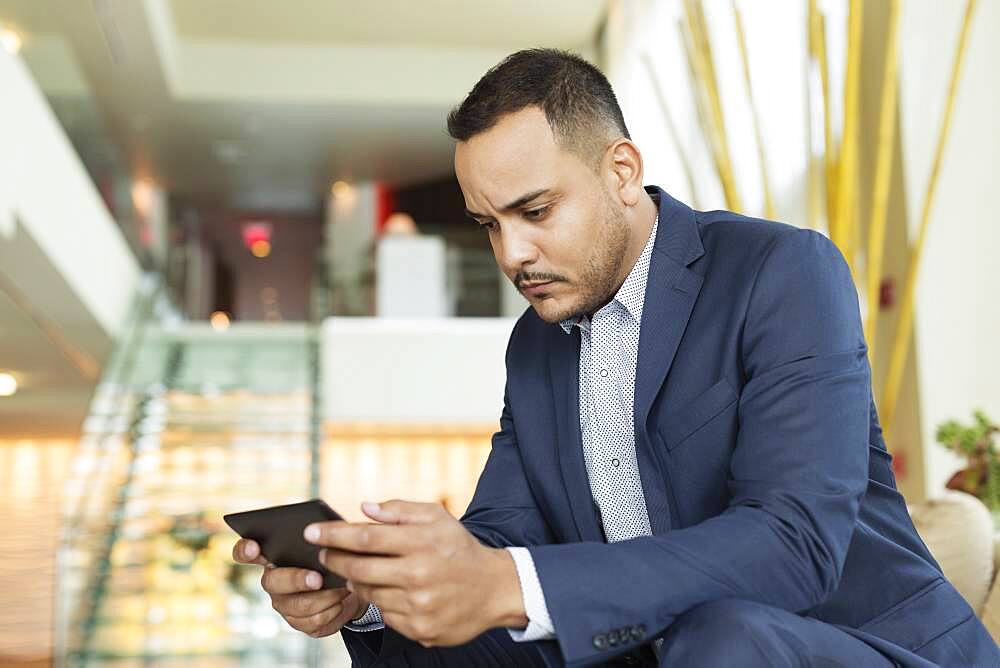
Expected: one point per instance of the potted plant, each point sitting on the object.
(981, 477)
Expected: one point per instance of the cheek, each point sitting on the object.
(575, 242)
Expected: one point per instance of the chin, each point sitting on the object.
(552, 311)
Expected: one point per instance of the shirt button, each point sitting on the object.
(604, 373)
(615, 462)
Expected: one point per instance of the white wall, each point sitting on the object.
(958, 294)
(411, 277)
(441, 371)
(350, 233)
(47, 190)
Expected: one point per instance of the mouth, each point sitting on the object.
(535, 289)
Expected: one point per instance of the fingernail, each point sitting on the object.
(250, 551)
(322, 556)
(370, 507)
(350, 586)
(313, 580)
(312, 532)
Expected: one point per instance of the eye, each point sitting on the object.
(537, 214)
(489, 225)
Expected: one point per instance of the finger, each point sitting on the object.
(306, 604)
(316, 624)
(354, 607)
(247, 551)
(388, 599)
(368, 538)
(397, 511)
(290, 580)
(365, 569)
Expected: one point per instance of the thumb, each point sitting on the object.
(401, 512)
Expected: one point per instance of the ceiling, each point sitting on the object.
(249, 106)
(460, 23)
(263, 105)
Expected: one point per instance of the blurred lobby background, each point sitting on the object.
(235, 269)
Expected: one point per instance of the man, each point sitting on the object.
(689, 469)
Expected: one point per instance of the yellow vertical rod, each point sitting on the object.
(901, 340)
(843, 229)
(706, 80)
(817, 44)
(883, 173)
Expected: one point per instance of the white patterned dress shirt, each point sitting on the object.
(609, 350)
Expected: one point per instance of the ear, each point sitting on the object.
(624, 170)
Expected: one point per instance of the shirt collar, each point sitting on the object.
(632, 293)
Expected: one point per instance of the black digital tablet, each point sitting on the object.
(278, 532)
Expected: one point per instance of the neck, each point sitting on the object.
(640, 220)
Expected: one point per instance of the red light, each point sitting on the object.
(256, 232)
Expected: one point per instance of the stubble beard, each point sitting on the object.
(599, 278)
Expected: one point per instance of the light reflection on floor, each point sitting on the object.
(157, 583)
(32, 474)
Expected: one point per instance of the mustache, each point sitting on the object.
(522, 277)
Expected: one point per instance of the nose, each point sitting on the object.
(518, 250)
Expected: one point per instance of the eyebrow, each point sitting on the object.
(516, 204)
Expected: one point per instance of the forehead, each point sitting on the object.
(517, 155)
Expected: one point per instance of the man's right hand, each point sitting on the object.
(296, 594)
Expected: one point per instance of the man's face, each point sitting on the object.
(556, 230)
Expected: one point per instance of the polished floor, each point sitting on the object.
(32, 476)
(118, 554)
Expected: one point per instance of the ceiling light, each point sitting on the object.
(11, 41)
(261, 248)
(8, 385)
(142, 197)
(341, 189)
(220, 321)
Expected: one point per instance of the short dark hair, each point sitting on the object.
(577, 99)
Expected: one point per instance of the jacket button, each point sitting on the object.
(601, 641)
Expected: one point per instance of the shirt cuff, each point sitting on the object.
(370, 621)
(539, 623)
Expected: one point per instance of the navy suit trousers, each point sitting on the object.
(726, 632)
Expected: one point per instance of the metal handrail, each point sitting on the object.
(101, 429)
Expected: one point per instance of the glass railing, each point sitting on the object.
(187, 425)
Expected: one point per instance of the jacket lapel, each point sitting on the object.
(671, 292)
(564, 374)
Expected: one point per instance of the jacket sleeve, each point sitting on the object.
(797, 474)
(503, 511)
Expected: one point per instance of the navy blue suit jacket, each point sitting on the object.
(762, 461)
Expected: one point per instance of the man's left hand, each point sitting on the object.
(433, 581)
